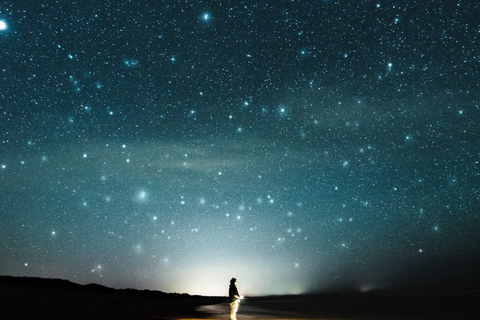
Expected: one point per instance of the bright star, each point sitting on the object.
(283, 111)
(3, 25)
(141, 196)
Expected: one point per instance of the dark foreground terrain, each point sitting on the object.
(34, 298)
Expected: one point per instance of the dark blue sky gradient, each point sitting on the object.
(298, 146)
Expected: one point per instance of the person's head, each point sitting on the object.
(233, 281)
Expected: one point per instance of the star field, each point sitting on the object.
(297, 146)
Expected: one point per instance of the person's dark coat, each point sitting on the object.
(233, 293)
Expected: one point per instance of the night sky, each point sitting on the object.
(299, 146)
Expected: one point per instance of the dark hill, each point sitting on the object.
(28, 297)
(68, 286)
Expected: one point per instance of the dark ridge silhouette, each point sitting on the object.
(91, 288)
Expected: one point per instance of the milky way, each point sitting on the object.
(298, 146)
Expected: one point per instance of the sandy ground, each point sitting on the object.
(60, 300)
(376, 306)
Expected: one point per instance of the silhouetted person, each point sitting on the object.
(234, 299)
